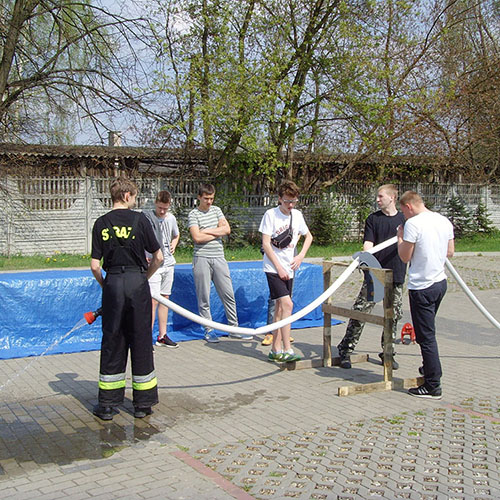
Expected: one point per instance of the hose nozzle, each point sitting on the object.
(91, 316)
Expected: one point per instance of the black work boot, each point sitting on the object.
(142, 412)
(103, 412)
(345, 360)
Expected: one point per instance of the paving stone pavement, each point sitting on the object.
(230, 424)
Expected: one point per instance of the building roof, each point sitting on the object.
(75, 151)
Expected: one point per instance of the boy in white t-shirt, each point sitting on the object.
(425, 241)
(281, 261)
(167, 233)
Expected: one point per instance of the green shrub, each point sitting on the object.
(460, 216)
(181, 214)
(331, 222)
(234, 211)
(482, 219)
(363, 207)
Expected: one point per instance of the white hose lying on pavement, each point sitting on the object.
(273, 326)
(317, 302)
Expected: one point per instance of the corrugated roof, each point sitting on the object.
(76, 151)
(173, 156)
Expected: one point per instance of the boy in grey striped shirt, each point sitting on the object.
(207, 226)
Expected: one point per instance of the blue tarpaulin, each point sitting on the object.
(38, 309)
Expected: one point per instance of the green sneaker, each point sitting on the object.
(289, 357)
(275, 356)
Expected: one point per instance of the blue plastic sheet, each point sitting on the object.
(38, 309)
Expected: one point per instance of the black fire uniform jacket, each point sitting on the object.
(120, 238)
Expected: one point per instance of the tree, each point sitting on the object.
(465, 126)
(269, 78)
(65, 58)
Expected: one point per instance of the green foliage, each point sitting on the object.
(482, 219)
(460, 216)
(57, 57)
(466, 222)
(181, 214)
(362, 206)
(331, 221)
(54, 261)
(233, 209)
(479, 242)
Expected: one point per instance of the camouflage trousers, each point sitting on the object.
(355, 327)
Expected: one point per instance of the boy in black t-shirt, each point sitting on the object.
(120, 238)
(379, 227)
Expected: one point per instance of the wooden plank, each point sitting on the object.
(406, 383)
(395, 384)
(388, 305)
(320, 363)
(303, 364)
(355, 358)
(327, 322)
(328, 264)
(364, 388)
(351, 313)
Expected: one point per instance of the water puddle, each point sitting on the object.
(24, 440)
(78, 325)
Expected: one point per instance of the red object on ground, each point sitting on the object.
(408, 330)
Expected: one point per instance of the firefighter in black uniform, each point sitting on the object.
(120, 238)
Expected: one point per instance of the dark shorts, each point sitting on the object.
(278, 287)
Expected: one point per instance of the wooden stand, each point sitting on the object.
(385, 277)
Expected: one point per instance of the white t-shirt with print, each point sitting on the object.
(430, 232)
(273, 224)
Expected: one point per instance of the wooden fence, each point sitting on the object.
(55, 214)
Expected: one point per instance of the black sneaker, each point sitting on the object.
(103, 412)
(423, 392)
(345, 362)
(395, 364)
(165, 341)
(142, 412)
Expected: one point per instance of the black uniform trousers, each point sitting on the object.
(126, 324)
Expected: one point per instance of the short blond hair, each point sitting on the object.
(411, 197)
(390, 189)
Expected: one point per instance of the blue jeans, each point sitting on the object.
(424, 305)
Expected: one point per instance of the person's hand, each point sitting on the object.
(297, 260)
(283, 274)
(400, 231)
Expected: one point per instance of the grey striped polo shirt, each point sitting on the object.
(203, 220)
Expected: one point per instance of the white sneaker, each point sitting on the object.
(211, 337)
(241, 336)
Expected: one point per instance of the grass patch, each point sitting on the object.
(478, 243)
(55, 261)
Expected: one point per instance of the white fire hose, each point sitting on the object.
(471, 296)
(273, 326)
(317, 302)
